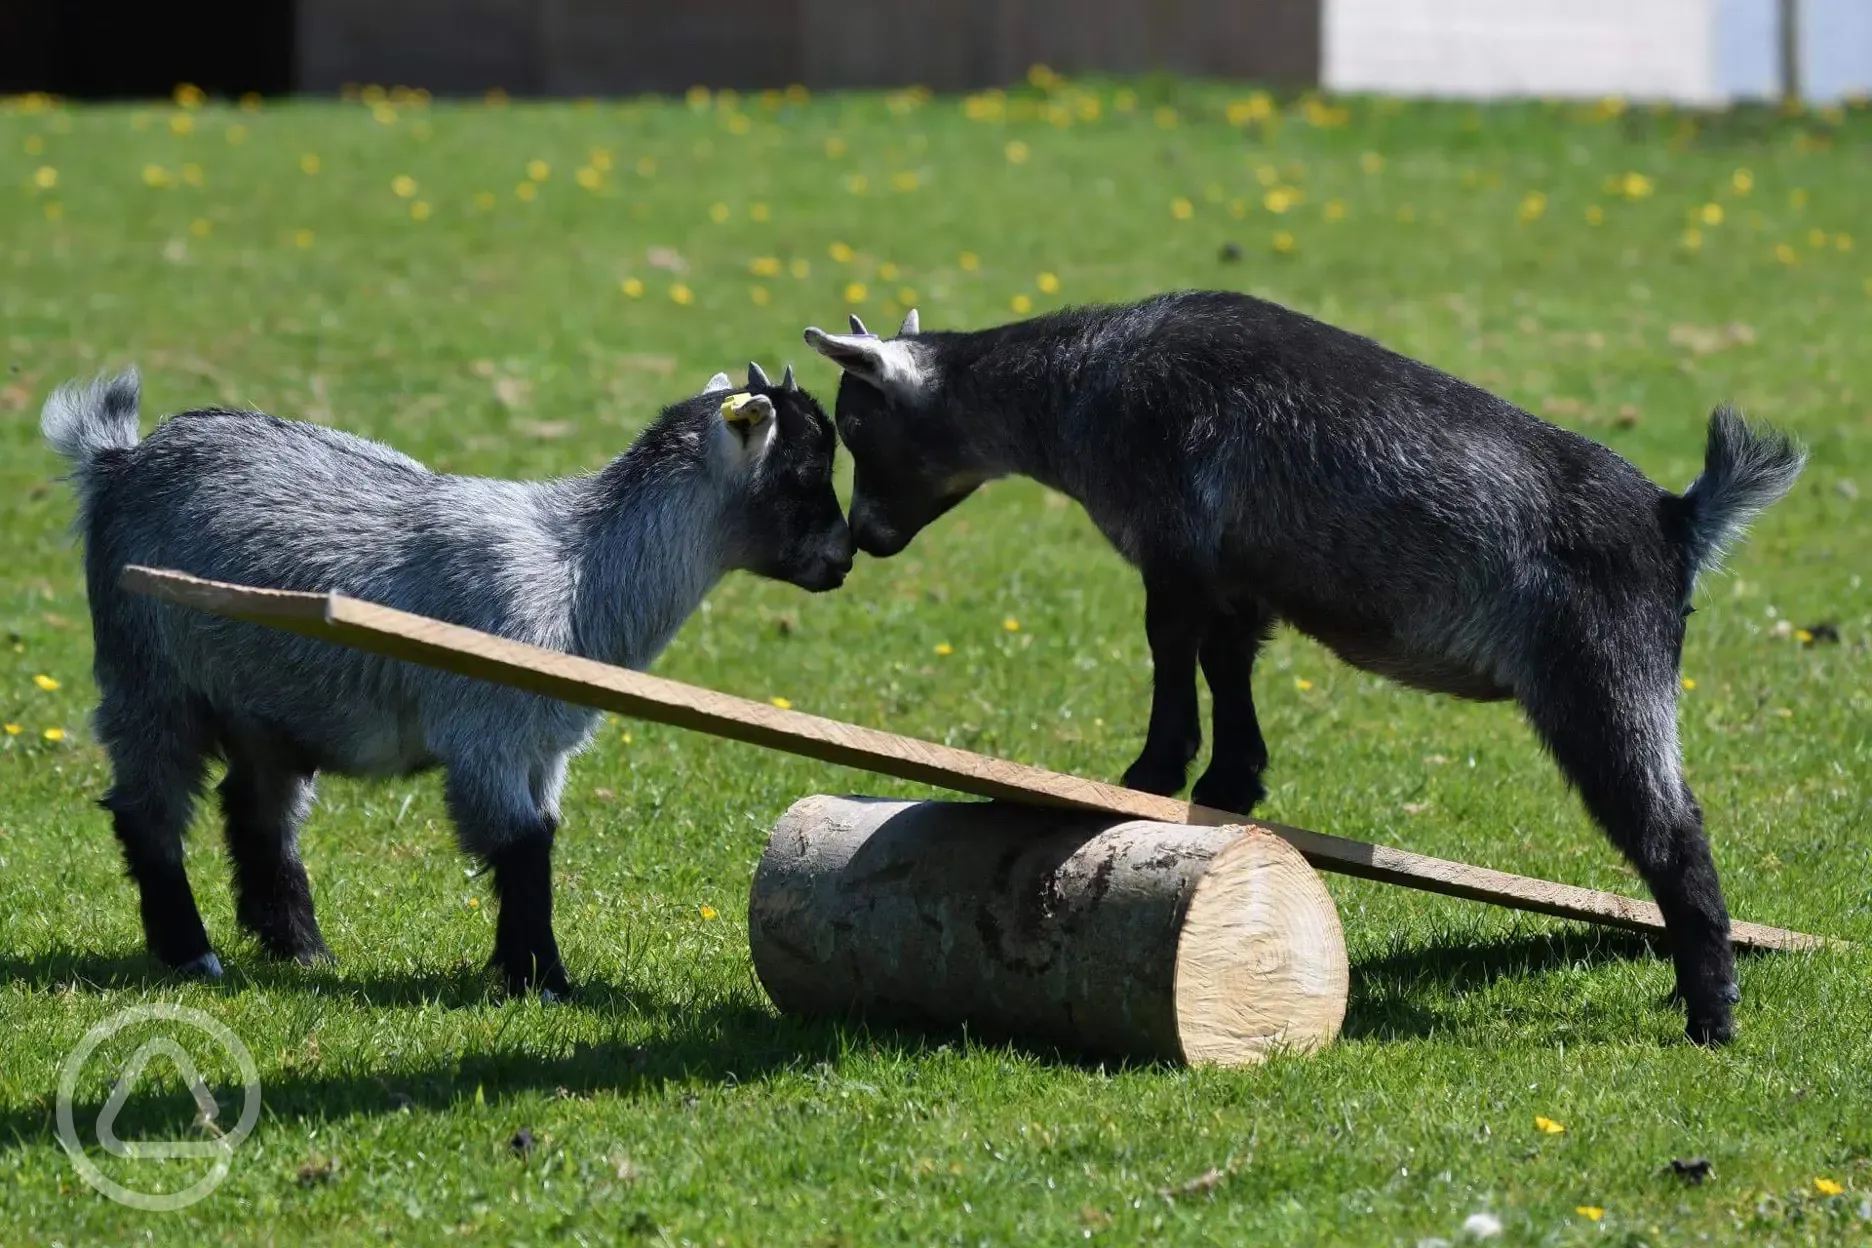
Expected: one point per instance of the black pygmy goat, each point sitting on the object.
(607, 566)
(1257, 465)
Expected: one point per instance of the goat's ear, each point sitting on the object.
(718, 382)
(749, 420)
(889, 364)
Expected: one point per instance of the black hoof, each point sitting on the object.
(1150, 776)
(207, 966)
(549, 982)
(1234, 792)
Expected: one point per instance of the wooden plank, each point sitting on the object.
(419, 639)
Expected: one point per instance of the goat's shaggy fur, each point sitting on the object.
(607, 566)
(1257, 465)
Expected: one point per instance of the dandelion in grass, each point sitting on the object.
(1533, 207)
(1010, 624)
(1280, 199)
(1742, 181)
(589, 177)
(1595, 215)
(855, 292)
(800, 268)
(538, 170)
(1165, 117)
(841, 252)
(632, 287)
(1017, 152)
(201, 227)
(1547, 1126)
(419, 211)
(1182, 209)
(1592, 1213)
(1828, 1187)
(718, 213)
(309, 164)
(45, 177)
(680, 293)
(193, 175)
(403, 186)
(907, 296)
(1371, 162)
(1285, 243)
(782, 703)
(758, 211)
(181, 123)
(857, 184)
(1692, 239)
(905, 181)
(1021, 304)
(526, 192)
(1710, 214)
(1302, 683)
(943, 650)
(888, 272)
(1048, 283)
(760, 295)
(14, 730)
(708, 912)
(968, 261)
(1335, 210)
(765, 266)
(302, 239)
(1786, 254)
(157, 177)
(45, 682)
(55, 734)
(1689, 683)
(1842, 242)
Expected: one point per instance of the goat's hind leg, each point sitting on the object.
(158, 756)
(1612, 726)
(264, 798)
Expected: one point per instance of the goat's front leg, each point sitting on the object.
(500, 822)
(1237, 755)
(1175, 618)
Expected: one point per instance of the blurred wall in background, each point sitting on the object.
(1700, 51)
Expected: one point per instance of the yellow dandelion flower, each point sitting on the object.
(201, 227)
(782, 703)
(192, 174)
(527, 191)
(943, 648)
(1165, 117)
(538, 170)
(1743, 181)
(1636, 185)
(906, 180)
(1842, 242)
(765, 266)
(681, 294)
(709, 912)
(1011, 624)
(1689, 683)
(157, 176)
(758, 211)
(45, 682)
(888, 272)
(760, 295)
(14, 730)
(309, 163)
(484, 200)
(625, 737)
(600, 159)
(1016, 152)
(841, 252)
(1692, 239)
(1547, 1125)
(473, 903)
(302, 239)
(697, 96)
(589, 177)
(55, 734)
(1182, 209)
(1285, 242)
(1280, 199)
(1595, 215)
(1710, 214)
(857, 184)
(45, 177)
(834, 147)
(718, 213)
(383, 114)
(1335, 210)
(181, 123)
(1048, 283)
(403, 186)
(419, 211)
(1302, 683)
(1827, 1187)
(632, 287)
(1021, 304)
(855, 292)
(1533, 206)
(739, 123)
(800, 267)
(1786, 254)
(969, 261)
(188, 95)
(1371, 162)
(907, 296)
(1592, 1213)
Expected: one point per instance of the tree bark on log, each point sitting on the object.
(1211, 945)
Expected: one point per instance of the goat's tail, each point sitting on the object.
(1746, 469)
(83, 420)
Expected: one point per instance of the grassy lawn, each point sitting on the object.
(514, 290)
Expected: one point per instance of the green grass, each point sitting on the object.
(670, 1103)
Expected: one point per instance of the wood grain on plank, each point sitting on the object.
(419, 639)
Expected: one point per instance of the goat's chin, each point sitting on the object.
(818, 580)
(883, 545)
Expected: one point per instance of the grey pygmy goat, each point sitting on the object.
(1257, 465)
(606, 566)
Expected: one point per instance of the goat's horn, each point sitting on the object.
(757, 376)
(857, 326)
(787, 381)
(911, 324)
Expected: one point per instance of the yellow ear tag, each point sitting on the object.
(731, 408)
